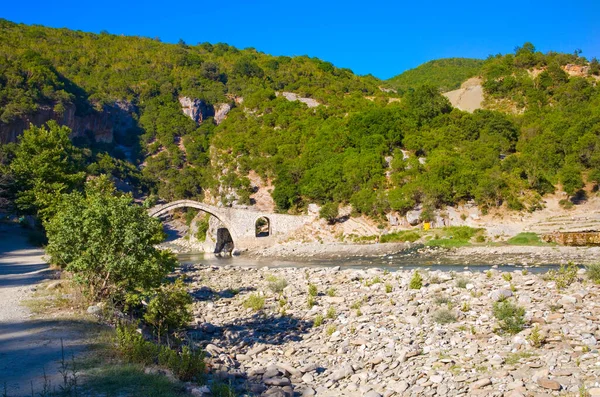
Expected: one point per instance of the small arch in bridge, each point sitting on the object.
(262, 227)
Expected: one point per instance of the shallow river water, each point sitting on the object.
(392, 263)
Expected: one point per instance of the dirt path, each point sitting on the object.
(28, 347)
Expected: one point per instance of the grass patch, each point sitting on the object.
(254, 302)
(403, 236)
(129, 380)
(514, 358)
(454, 236)
(593, 272)
(526, 239)
(444, 316)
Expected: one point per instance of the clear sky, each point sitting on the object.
(383, 38)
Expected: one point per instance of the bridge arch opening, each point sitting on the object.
(262, 227)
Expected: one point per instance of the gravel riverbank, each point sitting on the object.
(378, 337)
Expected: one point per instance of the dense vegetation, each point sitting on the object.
(445, 74)
(360, 146)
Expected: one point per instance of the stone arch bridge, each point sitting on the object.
(241, 223)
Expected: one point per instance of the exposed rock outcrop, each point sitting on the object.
(468, 97)
(290, 96)
(102, 126)
(198, 110)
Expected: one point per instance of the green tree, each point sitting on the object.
(45, 165)
(107, 241)
(570, 178)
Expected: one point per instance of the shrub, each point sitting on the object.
(133, 346)
(330, 330)
(276, 284)
(331, 313)
(388, 288)
(374, 280)
(510, 316)
(536, 338)
(186, 365)
(310, 302)
(169, 309)
(444, 316)
(564, 276)
(462, 282)
(107, 242)
(465, 307)
(331, 292)
(593, 272)
(254, 302)
(416, 282)
(329, 212)
(312, 290)
(441, 300)
(507, 277)
(318, 320)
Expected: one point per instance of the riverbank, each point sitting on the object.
(407, 252)
(347, 332)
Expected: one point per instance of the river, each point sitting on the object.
(399, 261)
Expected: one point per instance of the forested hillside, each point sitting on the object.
(444, 74)
(357, 144)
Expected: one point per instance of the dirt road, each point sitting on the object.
(28, 347)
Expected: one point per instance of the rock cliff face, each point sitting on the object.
(198, 110)
(101, 125)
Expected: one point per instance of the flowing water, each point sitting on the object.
(393, 262)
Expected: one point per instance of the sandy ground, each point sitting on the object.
(29, 347)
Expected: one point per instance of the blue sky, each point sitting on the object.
(383, 38)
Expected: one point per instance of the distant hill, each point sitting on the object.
(446, 74)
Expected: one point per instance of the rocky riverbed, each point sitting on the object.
(378, 337)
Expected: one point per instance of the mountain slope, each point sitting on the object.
(445, 74)
(207, 121)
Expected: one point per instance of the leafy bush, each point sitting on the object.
(416, 282)
(107, 242)
(564, 276)
(444, 316)
(276, 284)
(510, 316)
(255, 302)
(170, 309)
(403, 236)
(186, 365)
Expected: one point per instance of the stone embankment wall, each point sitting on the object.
(576, 239)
